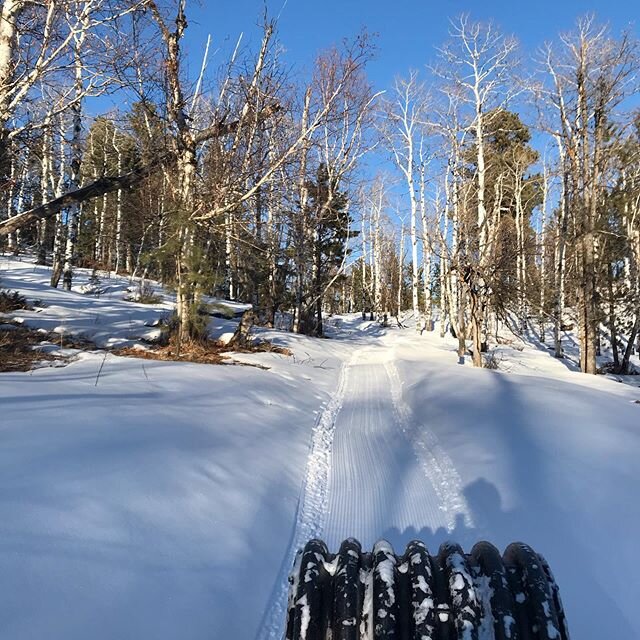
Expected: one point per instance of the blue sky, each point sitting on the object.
(408, 29)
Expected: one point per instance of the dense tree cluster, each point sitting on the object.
(513, 194)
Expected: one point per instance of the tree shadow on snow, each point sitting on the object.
(568, 344)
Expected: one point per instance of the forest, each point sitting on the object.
(492, 187)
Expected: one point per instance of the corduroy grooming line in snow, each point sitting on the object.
(356, 595)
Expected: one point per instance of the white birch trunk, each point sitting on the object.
(377, 257)
(560, 257)
(11, 197)
(426, 254)
(73, 213)
(520, 262)
(96, 209)
(400, 270)
(46, 166)
(8, 15)
(60, 228)
(414, 245)
(364, 263)
(228, 254)
(543, 240)
(24, 176)
(118, 238)
(300, 224)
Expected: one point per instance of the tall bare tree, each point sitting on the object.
(590, 74)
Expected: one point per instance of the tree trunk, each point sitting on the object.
(8, 16)
(477, 305)
(635, 332)
(73, 213)
(543, 250)
(118, 238)
(587, 306)
(560, 259)
(46, 165)
(521, 268)
(400, 271)
(24, 177)
(299, 223)
(612, 318)
(426, 254)
(414, 249)
(59, 227)
(11, 196)
(377, 256)
(475, 309)
(461, 329)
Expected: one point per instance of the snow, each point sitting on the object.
(385, 569)
(168, 499)
(366, 619)
(422, 610)
(107, 319)
(485, 593)
(305, 617)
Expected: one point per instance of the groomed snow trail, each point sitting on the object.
(374, 470)
(389, 473)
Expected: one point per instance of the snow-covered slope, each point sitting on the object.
(97, 310)
(167, 500)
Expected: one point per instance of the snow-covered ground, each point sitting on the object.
(167, 500)
(98, 310)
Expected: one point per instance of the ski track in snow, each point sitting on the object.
(312, 505)
(373, 468)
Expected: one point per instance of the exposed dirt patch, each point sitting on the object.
(18, 349)
(22, 348)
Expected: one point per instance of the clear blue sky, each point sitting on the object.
(408, 30)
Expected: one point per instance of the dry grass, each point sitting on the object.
(207, 353)
(260, 346)
(202, 352)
